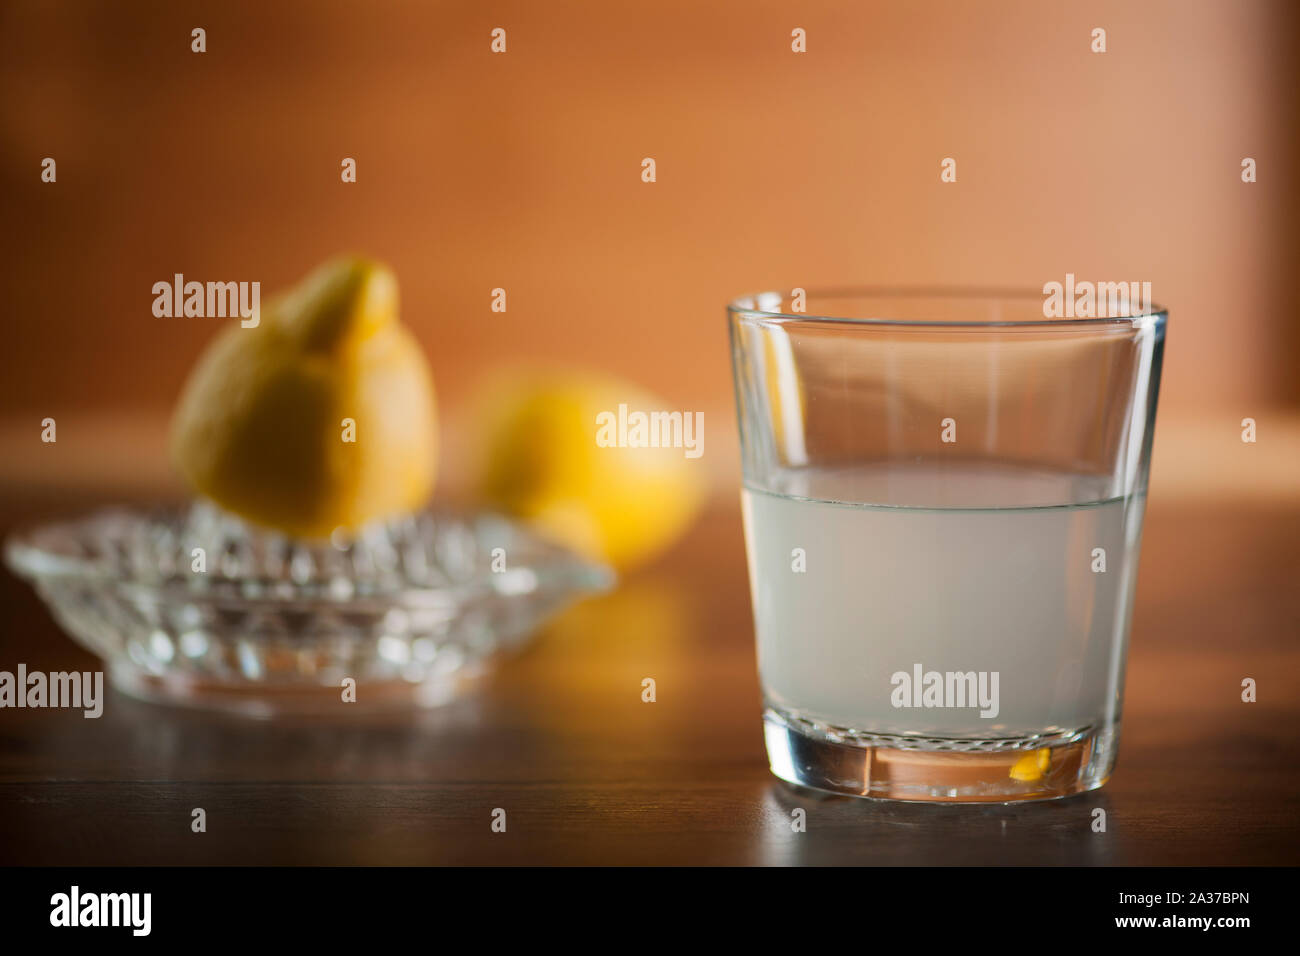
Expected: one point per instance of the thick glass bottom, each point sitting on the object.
(938, 770)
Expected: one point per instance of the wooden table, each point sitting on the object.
(588, 774)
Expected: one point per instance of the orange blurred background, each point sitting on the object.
(522, 171)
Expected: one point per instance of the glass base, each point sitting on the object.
(256, 700)
(933, 771)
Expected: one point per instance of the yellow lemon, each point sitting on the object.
(552, 454)
(321, 416)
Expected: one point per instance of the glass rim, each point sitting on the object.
(746, 308)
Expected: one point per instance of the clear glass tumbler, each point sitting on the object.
(943, 500)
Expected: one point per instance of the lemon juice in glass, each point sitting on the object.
(943, 500)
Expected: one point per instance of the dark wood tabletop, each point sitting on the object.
(587, 773)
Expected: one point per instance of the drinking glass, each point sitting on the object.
(943, 500)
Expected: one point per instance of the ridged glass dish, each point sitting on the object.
(194, 607)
